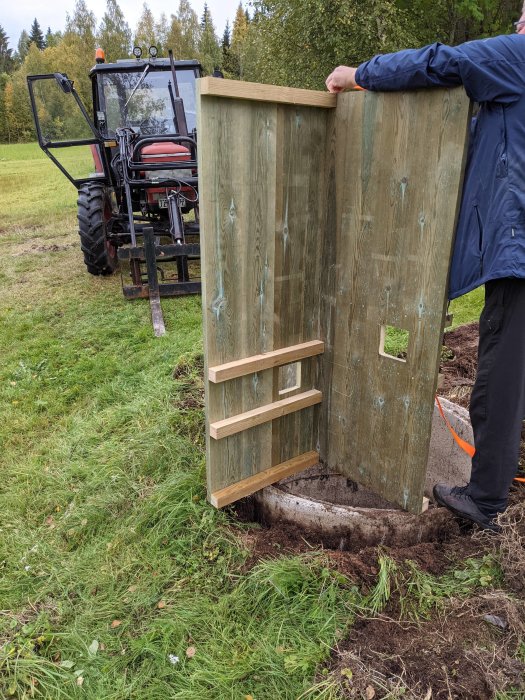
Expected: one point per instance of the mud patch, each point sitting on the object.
(188, 377)
(39, 249)
(459, 361)
(465, 652)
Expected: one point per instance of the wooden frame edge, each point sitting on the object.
(246, 487)
(260, 92)
(264, 414)
(269, 360)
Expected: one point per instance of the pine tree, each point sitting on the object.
(238, 43)
(205, 16)
(174, 39)
(145, 35)
(190, 30)
(36, 36)
(209, 49)
(4, 125)
(114, 34)
(226, 37)
(21, 49)
(226, 51)
(6, 54)
(52, 38)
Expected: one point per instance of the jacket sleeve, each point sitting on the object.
(491, 70)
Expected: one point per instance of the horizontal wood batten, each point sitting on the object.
(259, 92)
(257, 363)
(254, 483)
(263, 414)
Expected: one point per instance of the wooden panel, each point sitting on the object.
(263, 414)
(259, 92)
(275, 358)
(237, 193)
(242, 145)
(397, 177)
(300, 230)
(243, 488)
(328, 223)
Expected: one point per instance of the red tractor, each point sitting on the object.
(134, 163)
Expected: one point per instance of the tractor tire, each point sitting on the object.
(94, 213)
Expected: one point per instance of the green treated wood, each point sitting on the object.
(299, 234)
(399, 163)
(261, 220)
(237, 192)
(330, 224)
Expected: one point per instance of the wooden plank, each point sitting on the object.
(264, 414)
(259, 92)
(258, 363)
(254, 483)
(237, 152)
(256, 159)
(299, 233)
(398, 173)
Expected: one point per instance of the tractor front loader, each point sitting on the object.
(134, 164)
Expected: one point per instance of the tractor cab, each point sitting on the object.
(142, 95)
(134, 163)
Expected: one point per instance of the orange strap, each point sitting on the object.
(466, 446)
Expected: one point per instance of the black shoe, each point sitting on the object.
(460, 503)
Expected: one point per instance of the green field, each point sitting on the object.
(118, 580)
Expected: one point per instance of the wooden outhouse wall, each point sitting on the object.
(327, 221)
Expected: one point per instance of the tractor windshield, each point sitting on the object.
(144, 100)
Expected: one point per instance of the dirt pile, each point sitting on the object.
(465, 651)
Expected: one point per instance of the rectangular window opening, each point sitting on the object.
(289, 378)
(393, 343)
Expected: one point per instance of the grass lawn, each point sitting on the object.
(118, 580)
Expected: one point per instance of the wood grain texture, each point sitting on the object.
(254, 483)
(242, 145)
(259, 92)
(328, 223)
(300, 230)
(257, 363)
(277, 409)
(398, 171)
(237, 192)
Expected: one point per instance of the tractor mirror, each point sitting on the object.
(65, 83)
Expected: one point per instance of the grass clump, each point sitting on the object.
(420, 594)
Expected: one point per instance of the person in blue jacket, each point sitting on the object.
(489, 245)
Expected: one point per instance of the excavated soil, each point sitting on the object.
(467, 650)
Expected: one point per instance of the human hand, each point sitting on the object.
(342, 78)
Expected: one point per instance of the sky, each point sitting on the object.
(16, 16)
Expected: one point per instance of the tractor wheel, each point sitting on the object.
(94, 213)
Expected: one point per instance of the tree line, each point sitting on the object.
(284, 42)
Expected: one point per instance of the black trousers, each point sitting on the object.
(497, 405)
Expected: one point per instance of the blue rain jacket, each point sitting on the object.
(490, 235)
